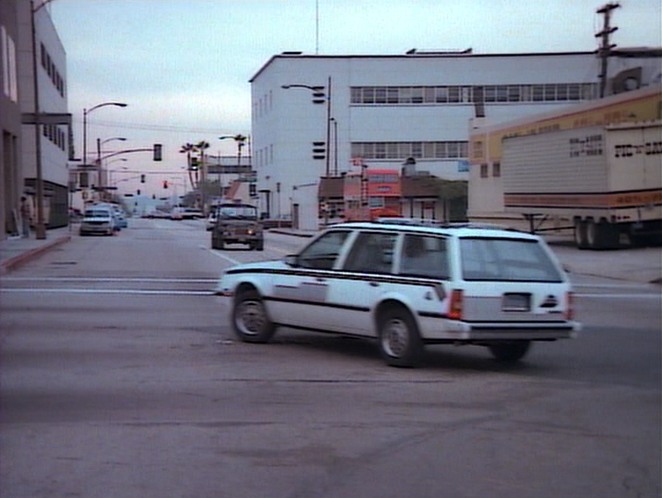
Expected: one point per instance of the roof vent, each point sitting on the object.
(441, 51)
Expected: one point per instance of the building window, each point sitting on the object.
(402, 150)
(52, 71)
(380, 95)
(430, 95)
(483, 170)
(496, 169)
(9, 67)
(477, 149)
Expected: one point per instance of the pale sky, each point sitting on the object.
(183, 66)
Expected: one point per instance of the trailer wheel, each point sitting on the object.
(602, 235)
(593, 236)
(609, 234)
(581, 239)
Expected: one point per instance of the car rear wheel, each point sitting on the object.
(250, 319)
(510, 352)
(399, 341)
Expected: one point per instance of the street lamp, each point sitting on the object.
(102, 177)
(111, 171)
(88, 111)
(85, 113)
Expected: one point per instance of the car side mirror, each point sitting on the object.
(292, 260)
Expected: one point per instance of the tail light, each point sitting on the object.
(456, 304)
(569, 306)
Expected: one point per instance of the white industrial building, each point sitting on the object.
(382, 110)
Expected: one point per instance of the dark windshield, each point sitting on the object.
(237, 212)
(97, 213)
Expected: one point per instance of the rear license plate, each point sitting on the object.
(516, 302)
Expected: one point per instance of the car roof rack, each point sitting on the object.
(422, 222)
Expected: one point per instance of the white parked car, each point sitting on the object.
(98, 220)
(407, 286)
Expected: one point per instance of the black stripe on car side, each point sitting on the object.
(372, 277)
(316, 303)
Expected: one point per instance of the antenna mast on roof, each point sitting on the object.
(605, 48)
(317, 27)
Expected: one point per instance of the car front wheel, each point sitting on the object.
(399, 341)
(249, 318)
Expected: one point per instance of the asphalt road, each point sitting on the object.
(120, 377)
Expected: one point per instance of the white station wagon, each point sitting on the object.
(408, 286)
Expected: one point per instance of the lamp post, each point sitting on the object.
(335, 146)
(85, 113)
(102, 177)
(111, 171)
(88, 111)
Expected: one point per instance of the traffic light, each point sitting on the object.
(158, 152)
(142, 178)
(319, 150)
(165, 183)
(319, 97)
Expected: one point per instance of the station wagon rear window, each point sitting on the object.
(508, 260)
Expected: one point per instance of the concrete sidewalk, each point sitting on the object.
(17, 251)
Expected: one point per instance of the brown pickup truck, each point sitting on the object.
(237, 224)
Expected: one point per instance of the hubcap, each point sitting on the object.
(395, 338)
(250, 318)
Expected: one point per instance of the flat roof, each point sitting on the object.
(414, 55)
(640, 52)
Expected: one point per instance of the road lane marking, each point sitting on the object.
(111, 279)
(144, 292)
(226, 258)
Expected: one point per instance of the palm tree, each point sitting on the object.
(200, 147)
(187, 148)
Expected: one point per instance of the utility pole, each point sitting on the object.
(605, 48)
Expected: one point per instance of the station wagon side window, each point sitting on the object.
(371, 253)
(424, 256)
(323, 252)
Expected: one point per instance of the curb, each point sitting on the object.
(21, 259)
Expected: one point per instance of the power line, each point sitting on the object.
(154, 127)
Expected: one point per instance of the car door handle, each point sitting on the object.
(373, 284)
